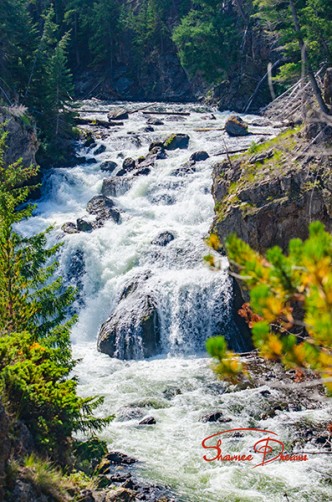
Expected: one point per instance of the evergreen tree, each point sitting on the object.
(35, 350)
(208, 40)
(296, 23)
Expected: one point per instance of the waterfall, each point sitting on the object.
(121, 270)
(192, 302)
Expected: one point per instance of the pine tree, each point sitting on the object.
(296, 24)
(35, 323)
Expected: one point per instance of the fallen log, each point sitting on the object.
(166, 113)
(208, 129)
(231, 152)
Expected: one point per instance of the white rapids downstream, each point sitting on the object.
(178, 387)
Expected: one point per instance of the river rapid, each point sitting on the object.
(178, 387)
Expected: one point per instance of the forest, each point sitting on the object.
(194, 59)
(49, 48)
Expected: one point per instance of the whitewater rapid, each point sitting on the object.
(178, 387)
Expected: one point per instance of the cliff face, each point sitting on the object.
(21, 139)
(272, 193)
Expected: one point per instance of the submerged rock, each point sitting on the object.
(108, 166)
(163, 239)
(235, 126)
(148, 421)
(154, 121)
(83, 225)
(175, 141)
(115, 186)
(69, 228)
(99, 150)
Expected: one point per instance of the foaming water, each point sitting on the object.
(193, 303)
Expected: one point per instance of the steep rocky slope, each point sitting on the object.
(21, 138)
(274, 191)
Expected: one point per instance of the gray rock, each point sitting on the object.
(128, 164)
(103, 208)
(69, 228)
(155, 144)
(235, 126)
(154, 121)
(114, 187)
(83, 225)
(199, 156)
(108, 166)
(163, 239)
(148, 421)
(90, 161)
(117, 457)
(171, 391)
(22, 138)
(133, 330)
(175, 141)
(99, 150)
(117, 114)
(125, 414)
(216, 416)
(144, 171)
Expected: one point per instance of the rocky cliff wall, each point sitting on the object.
(22, 138)
(273, 192)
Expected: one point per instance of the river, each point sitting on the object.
(178, 387)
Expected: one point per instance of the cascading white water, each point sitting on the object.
(193, 303)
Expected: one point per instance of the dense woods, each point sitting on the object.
(47, 46)
(54, 52)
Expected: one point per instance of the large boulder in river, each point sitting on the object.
(133, 330)
(117, 114)
(235, 126)
(175, 141)
(103, 208)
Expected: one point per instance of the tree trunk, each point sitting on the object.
(306, 62)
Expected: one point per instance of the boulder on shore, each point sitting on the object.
(235, 126)
(175, 141)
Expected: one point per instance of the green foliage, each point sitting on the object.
(35, 352)
(207, 40)
(88, 454)
(291, 299)
(315, 29)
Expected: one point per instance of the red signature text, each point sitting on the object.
(268, 449)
